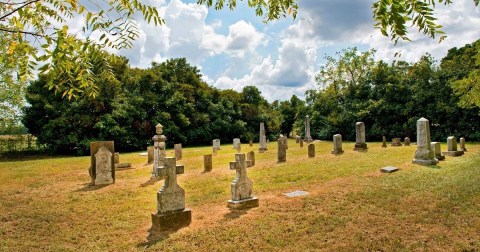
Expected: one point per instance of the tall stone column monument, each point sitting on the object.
(159, 152)
(424, 154)
(308, 137)
(263, 139)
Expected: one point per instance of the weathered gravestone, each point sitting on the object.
(389, 169)
(285, 141)
(311, 150)
(396, 142)
(452, 147)
(242, 186)
(301, 143)
(102, 163)
(250, 142)
(150, 154)
(384, 142)
(236, 142)
(250, 159)
(178, 151)
(424, 154)
(159, 152)
(462, 144)
(282, 151)
(406, 141)
(207, 163)
(360, 137)
(297, 139)
(239, 148)
(308, 137)
(214, 151)
(216, 144)
(171, 212)
(118, 165)
(337, 144)
(437, 152)
(263, 139)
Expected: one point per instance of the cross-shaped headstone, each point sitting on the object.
(171, 196)
(242, 186)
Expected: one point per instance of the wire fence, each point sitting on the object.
(20, 144)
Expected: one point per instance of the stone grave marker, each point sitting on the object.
(296, 194)
(207, 163)
(282, 151)
(396, 142)
(178, 151)
(242, 186)
(150, 154)
(424, 154)
(384, 142)
(452, 147)
(388, 169)
(297, 139)
(263, 139)
(301, 143)
(311, 150)
(250, 142)
(360, 144)
(214, 151)
(437, 152)
(236, 142)
(171, 212)
(105, 167)
(116, 157)
(250, 159)
(406, 141)
(239, 148)
(337, 144)
(216, 144)
(308, 137)
(159, 152)
(462, 144)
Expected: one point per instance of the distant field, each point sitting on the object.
(46, 204)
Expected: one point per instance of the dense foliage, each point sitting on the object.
(130, 105)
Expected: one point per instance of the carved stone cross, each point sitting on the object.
(171, 196)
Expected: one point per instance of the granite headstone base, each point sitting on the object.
(171, 220)
(425, 161)
(243, 204)
(453, 153)
(360, 147)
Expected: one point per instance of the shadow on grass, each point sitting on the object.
(155, 237)
(235, 213)
(89, 187)
(151, 181)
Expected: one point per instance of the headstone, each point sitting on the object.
(297, 139)
(437, 152)
(360, 137)
(251, 158)
(116, 157)
(123, 165)
(308, 137)
(178, 151)
(263, 139)
(214, 151)
(384, 142)
(337, 144)
(282, 151)
(285, 140)
(301, 143)
(171, 211)
(424, 154)
(396, 142)
(452, 147)
(388, 169)
(239, 148)
(406, 141)
(105, 164)
(236, 142)
(311, 150)
(207, 163)
(462, 144)
(250, 143)
(216, 144)
(296, 194)
(159, 152)
(150, 154)
(242, 186)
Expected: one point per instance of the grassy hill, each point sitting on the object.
(47, 204)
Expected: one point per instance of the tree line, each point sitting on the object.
(352, 86)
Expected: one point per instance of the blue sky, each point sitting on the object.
(234, 49)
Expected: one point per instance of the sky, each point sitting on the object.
(234, 49)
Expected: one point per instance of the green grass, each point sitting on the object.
(47, 204)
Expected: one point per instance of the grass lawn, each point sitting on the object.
(47, 203)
